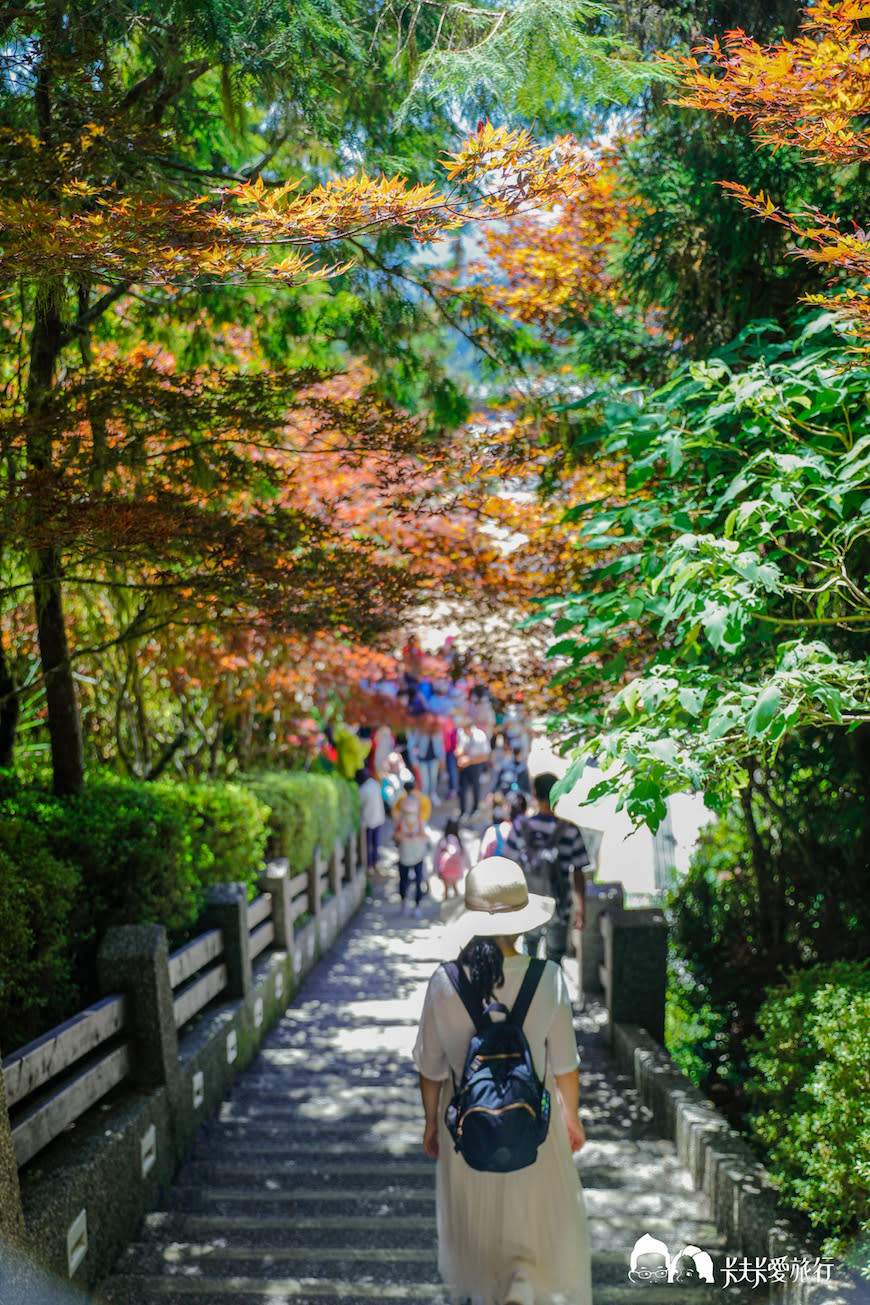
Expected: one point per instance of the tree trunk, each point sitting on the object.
(64, 726)
(9, 706)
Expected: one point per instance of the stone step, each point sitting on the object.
(290, 1172)
(239, 1201)
(261, 1131)
(266, 1156)
(254, 1290)
(294, 1202)
(176, 1235)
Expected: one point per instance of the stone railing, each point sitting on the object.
(744, 1203)
(624, 955)
(96, 1115)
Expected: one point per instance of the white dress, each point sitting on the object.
(534, 1219)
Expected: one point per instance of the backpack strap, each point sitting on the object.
(527, 990)
(457, 976)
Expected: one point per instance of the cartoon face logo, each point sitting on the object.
(649, 1262)
(692, 1265)
(684, 1270)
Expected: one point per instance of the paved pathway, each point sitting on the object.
(311, 1185)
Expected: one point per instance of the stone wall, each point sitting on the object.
(743, 1201)
(96, 1181)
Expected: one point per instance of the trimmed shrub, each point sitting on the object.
(127, 852)
(306, 810)
(135, 845)
(812, 1066)
(36, 893)
(231, 826)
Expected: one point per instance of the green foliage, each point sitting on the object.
(529, 57)
(135, 845)
(129, 852)
(306, 811)
(694, 1030)
(36, 894)
(729, 610)
(812, 1082)
(231, 823)
(706, 267)
(717, 968)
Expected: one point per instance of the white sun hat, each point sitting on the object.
(497, 904)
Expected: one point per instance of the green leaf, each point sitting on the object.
(767, 707)
(692, 700)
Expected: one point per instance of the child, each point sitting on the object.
(451, 858)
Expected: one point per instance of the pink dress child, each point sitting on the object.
(451, 861)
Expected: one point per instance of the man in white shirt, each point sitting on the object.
(472, 755)
(372, 813)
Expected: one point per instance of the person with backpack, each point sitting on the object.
(512, 775)
(451, 858)
(409, 834)
(505, 811)
(552, 854)
(497, 1059)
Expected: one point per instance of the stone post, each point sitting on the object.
(599, 898)
(315, 871)
(134, 960)
(635, 961)
(276, 881)
(352, 858)
(227, 910)
(336, 868)
(11, 1216)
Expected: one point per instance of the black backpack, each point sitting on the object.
(500, 1111)
(539, 858)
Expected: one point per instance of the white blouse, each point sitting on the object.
(446, 1028)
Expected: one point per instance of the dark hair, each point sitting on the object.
(516, 749)
(452, 827)
(361, 776)
(543, 785)
(517, 804)
(409, 785)
(486, 966)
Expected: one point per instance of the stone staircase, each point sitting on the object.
(311, 1185)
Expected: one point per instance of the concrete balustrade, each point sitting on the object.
(600, 897)
(191, 1021)
(634, 970)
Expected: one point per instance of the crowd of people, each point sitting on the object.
(452, 744)
(511, 1218)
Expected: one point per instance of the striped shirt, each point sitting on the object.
(539, 829)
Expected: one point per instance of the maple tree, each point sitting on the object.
(553, 267)
(810, 94)
(98, 209)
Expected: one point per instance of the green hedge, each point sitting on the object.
(231, 824)
(306, 810)
(127, 852)
(37, 890)
(811, 1062)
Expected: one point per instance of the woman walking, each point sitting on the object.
(509, 1238)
